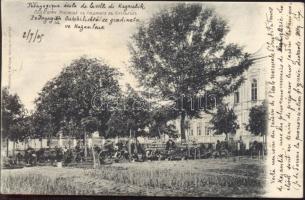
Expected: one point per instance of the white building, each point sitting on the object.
(252, 92)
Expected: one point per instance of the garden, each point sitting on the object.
(208, 177)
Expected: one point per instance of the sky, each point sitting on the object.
(33, 64)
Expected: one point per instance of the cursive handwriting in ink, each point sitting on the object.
(32, 36)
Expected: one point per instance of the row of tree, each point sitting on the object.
(18, 125)
(225, 120)
(179, 52)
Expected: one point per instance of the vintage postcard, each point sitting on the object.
(132, 98)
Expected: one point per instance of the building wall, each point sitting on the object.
(200, 129)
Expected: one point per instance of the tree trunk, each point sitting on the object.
(85, 141)
(14, 143)
(69, 144)
(136, 143)
(7, 143)
(182, 127)
(93, 154)
(265, 136)
(48, 141)
(129, 144)
(263, 149)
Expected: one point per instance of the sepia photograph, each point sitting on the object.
(131, 98)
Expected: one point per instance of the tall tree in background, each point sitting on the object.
(77, 94)
(159, 122)
(130, 117)
(13, 117)
(225, 121)
(21, 130)
(181, 53)
(258, 121)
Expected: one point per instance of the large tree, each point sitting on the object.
(131, 115)
(13, 118)
(181, 53)
(78, 94)
(257, 124)
(224, 121)
(159, 125)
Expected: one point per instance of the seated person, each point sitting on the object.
(170, 144)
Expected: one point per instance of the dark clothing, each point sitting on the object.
(170, 145)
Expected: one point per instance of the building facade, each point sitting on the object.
(252, 92)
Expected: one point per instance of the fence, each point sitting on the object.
(158, 143)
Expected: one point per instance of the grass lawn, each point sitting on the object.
(208, 177)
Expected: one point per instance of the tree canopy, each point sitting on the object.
(14, 124)
(132, 114)
(257, 124)
(224, 121)
(70, 96)
(181, 52)
(160, 117)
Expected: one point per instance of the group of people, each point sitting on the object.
(134, 150)
(221, 148)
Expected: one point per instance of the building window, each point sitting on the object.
(236, 97)
(208, 130)
(191, 131)
(254, 90)
(198, 129)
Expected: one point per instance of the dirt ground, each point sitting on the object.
(218, 167)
